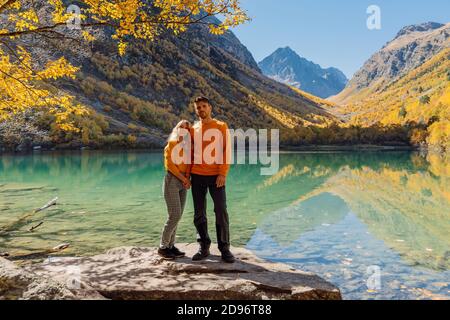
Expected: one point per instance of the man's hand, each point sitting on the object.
(221, 180)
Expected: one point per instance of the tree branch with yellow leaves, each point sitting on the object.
(24, 85)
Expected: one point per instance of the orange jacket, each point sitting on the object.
(168, 161)
(217, 167)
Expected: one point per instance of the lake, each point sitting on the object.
(376, 224)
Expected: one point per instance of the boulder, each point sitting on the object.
(17, 283)
(139, 273)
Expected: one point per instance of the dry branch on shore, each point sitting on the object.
(38, 254)
(25, 219)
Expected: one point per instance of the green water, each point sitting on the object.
(331, 213)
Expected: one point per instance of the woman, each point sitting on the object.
(175, 187)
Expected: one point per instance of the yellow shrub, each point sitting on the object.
(439, 133)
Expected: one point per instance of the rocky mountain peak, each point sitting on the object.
(413, 46)
(285, 51)
(286, 66)
(422, 27)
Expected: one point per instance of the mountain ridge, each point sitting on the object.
(416, 94)
(426, 26)
(136, 99)
(287, 66)
(412, 46)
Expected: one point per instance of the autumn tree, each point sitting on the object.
(27, 84)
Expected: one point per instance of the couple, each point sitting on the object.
(202, 177)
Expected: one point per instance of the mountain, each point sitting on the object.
(408, 81)
(412, 46)
(136, 99)
(286, 66)
(403, 100)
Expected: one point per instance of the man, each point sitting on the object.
(208, 173)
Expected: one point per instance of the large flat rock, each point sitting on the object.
(16, 283)
(139, 273)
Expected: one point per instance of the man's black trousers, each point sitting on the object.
(200, 187)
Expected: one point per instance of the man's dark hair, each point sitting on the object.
(201, 99)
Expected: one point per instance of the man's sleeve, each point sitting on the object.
(189, 164)
(192, 132)
(225, 167)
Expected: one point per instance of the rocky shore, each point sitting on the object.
(139, 273)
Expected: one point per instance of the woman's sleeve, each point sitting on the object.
(170, 166)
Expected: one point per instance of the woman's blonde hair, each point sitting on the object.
(175, 135)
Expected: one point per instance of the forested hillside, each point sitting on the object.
(406, 84)
(134, 99)
(422, 97)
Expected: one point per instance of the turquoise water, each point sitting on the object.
(336, 214)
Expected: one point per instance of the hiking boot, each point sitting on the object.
(177, 252)
(202, 253)
(166, 254)
(228, 257)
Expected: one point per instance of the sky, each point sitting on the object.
(332, 33)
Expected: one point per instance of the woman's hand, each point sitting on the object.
(186, 183)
